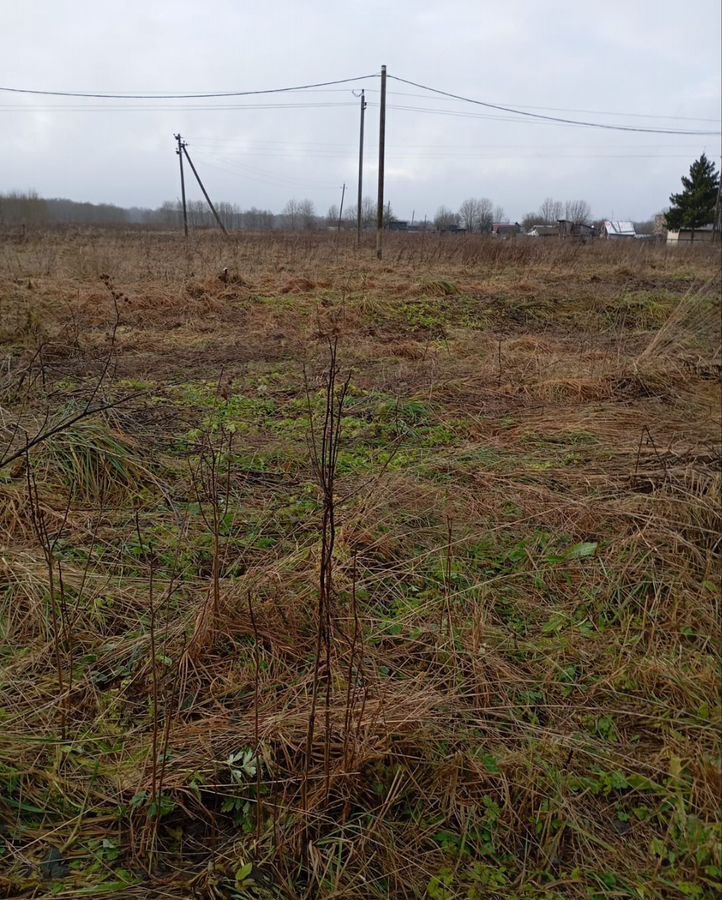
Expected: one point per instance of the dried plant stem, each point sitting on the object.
(57, 607)
(256, 713)
(324, 447)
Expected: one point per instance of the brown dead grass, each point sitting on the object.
(523, 721)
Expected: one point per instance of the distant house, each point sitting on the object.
(505, 229)
(578, 231)
(451, 228)
(397, 225)
(544, 231)
(703, 233)
(420, 226)
(615, 231)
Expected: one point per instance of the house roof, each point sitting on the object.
(625, 228)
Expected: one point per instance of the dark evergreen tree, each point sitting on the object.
(695, 205)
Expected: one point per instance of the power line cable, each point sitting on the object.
(517, 110)
(457, 113)
(487, 117)
(244, 143)
(598, 112)
(245, 171)
(268, 106)
(195, 96)
(318, 104)
(290, 153)
(556, 119)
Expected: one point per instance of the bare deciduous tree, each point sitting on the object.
(292, 214)
(469, 214)
(550, 211)
(368, 213)
(477, 214)
(299, 214)
(577, 211)
(486, 214)
(445, 218)
(307, 214)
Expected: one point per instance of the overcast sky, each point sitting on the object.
(645, 63)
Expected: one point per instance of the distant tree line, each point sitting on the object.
(170, 215)
(551, 211)
(696, 206)
(475, 215)
(27, 208)
(349, 219)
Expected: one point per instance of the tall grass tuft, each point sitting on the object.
(94, 459)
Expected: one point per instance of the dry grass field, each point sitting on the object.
(327, 577)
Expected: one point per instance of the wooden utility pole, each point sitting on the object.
(382, 148)
(179, 151)
(205, 193)
(340, 212)
(360, 171)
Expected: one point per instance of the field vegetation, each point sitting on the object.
(328, 577)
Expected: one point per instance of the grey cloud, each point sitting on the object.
(648, 57)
